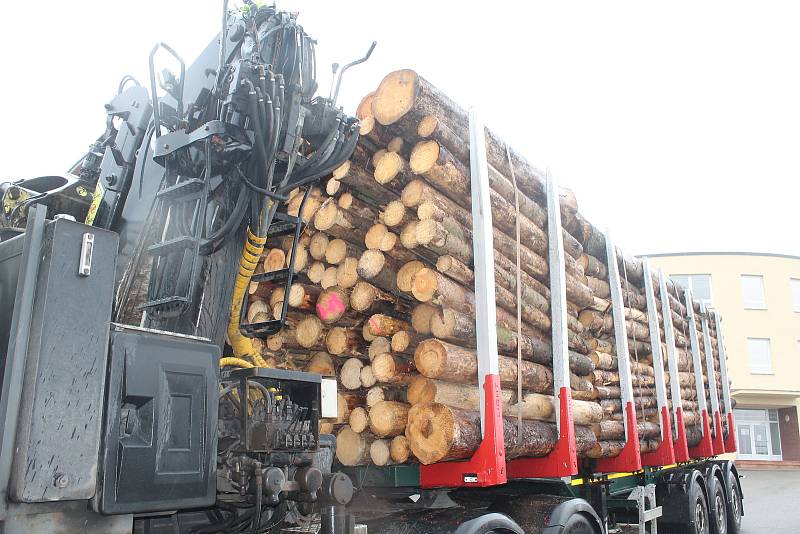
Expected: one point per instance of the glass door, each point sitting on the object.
(758, 434)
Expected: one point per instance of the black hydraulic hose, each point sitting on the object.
(213, 242)
(258, 131)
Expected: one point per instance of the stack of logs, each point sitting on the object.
(384, 299)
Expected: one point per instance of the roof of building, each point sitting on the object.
(771, 254)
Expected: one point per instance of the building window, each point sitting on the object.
(759, 356)
(753, 291)
(698, 284)
(795, 294)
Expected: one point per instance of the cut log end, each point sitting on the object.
(332, 305)
(362, 296)
(395, 96)
(335, 251)
(399, 449)
(394, 213)
(370, 263)
(346, 273)
(424, 284)
(424, 156)
(405, 275)
(388, 167)
(411, 195)
(352, 448)
(427, 125)
(359, 419)
(430, 431)
(309, 331)
(380, 452)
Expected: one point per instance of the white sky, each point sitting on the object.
(675, 124)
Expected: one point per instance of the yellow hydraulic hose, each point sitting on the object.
(234, 362)
(251, 253)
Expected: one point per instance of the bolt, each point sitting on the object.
(111, 178)
(166, 147)
(61, 481)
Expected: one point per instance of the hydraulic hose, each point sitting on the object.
(251, 253)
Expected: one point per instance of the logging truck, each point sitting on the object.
(244, 310)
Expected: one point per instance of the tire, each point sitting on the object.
(735, 508)
(698, 510)
(718, 508)
(579, 524)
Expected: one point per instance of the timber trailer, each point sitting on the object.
(116, 281)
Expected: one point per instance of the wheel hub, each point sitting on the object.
(699, 518)
(720, 507)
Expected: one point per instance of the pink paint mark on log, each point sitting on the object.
(374, 326)
(330, 307)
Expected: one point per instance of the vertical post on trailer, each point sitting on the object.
(664, 454)
(716, 421)
(730, 441)
(681, 449)
(629, 458)
(562, 460)
(704, 448)
(487, 467)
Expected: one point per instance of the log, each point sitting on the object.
(456, 270)
(436, 433)
(405, 341)
(347, 273)
(337, 250)
(315, 272)
(332, 304)
(359, 419)
(396, 214)
(400, 450)
(317, 245)
(321, 363)
(388, 418)
(405, 275)
(342, 341)
(379, 269)
(340, 223)
(437, 359)
(352, 448)
(383, 392)
(378, 345)
(389, 369)
(367, 377)
(380, 453)
(421, 318)
(386, 325)
(350, 373)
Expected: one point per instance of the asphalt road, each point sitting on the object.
(771, 502)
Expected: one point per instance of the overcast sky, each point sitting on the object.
(677, 124)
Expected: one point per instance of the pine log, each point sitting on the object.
(396, 214)
(388, 418)
(342, 341)
(352, 448)
(405, 341)
(400, 450)
(405, 275)
(347, 273)
(421, 318)
(367, 377)
(350, 373)
(338, 249)
(437, 359)
(359, 419)
(380, 453)
(389, 369)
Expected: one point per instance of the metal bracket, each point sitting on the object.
(730, 442)
(664, 455)
(680, 447)
(704, 448)
(629, 459)
(487, 467)
(716, 422)
(562, 460)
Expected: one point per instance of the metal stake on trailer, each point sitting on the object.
(487, 467)
(664, 454)
(562, 461)
(629, 458)
(730, 441)
(705, 448)
(716, 421)
(680, 446)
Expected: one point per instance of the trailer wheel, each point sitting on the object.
(579, 524)
(718, 510)
(698, 509)
(734, 511)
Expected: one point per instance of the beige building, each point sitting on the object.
(758, 297)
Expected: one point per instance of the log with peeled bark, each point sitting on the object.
(388, 418)
(352, 448)
(437, 359)
(391, 369)
(437, 433)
